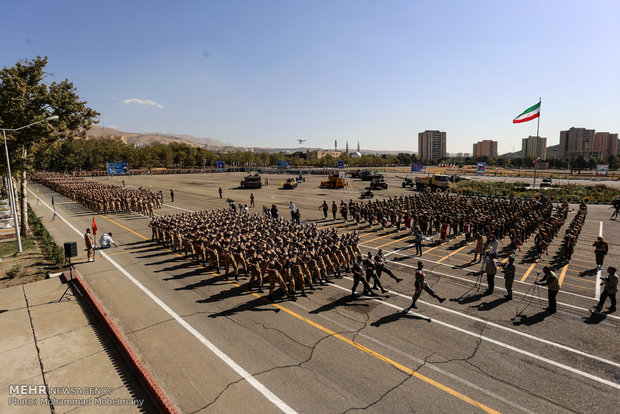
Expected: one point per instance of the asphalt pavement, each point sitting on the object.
(214, 346)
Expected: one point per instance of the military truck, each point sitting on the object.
(334, 181)
(433, 182)
(252, 181)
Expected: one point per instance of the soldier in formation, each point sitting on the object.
(295, 256)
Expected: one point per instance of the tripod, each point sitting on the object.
(70, 281)
(530, 295)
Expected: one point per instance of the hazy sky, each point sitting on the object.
(264, 73)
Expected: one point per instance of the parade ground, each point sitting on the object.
(214, 346)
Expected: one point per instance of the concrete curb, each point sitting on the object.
(158, 395)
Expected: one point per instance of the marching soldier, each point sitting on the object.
(370, 266)
(357, 278)
(420, 284)
(381, 267)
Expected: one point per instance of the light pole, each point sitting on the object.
(10, 177)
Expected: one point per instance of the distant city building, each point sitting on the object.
(486, 148)
(606, 144)
(318, 154)
(431, 145)
(534, 147)
(577, 142)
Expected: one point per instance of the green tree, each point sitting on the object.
(26, 97)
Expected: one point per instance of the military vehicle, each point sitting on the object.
(334, 181)
(378, 184)
(368, 176)
(252, 181)
(367, 194)
(407, 182)
(433, 182)
(290, 183)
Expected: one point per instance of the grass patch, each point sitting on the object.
(10, 247)
(573, 192)
(13, 272)
(52, 250)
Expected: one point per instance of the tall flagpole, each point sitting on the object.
(537, 138)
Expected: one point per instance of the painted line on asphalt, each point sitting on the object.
(230, 362)
(528, 271)
(178, 208)
(597, 285)
(568, 305)
(451, 254)
(381, 357)
(400, 238)
(381, 237)
(535, 356)
(220, 354)
(504, 345)
(426, 364)
(397, 253)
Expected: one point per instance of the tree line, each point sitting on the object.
(93, 154)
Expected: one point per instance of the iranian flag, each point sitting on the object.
(530, 113)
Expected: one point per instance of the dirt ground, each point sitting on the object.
(27, 267)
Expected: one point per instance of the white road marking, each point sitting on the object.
(597, 286)
(220, 354)
(568, 305)
(420, 361)
(178, 208)
(507, 346)
(397, 253)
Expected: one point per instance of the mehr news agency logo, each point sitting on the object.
(31, 395)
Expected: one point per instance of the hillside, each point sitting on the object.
(133, 138)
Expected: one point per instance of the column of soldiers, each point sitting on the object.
(573, 231)
(463, 214)
(548, 229)
(293, 256)
(102, 198)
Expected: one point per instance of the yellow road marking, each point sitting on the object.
(527, 272)
(454, 252)
(562, 274)
(383, 358)
(362, 348)
(120, 225)
(377, 238)
(393, 241)
(431, 249)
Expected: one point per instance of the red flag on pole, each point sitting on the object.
(94, 227)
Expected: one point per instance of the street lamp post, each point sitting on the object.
(10, 177)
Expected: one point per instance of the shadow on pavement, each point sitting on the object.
(596, 317)
(195, 272)
(530, 320)
(487, 306)
(225, 294)
(464, 300)
(204, 282)
(396, 316)
(254, 305)
(343, 301)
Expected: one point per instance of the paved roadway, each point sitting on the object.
(214, 346)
